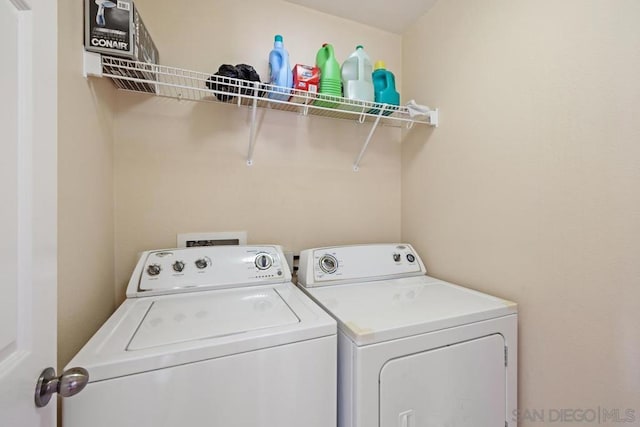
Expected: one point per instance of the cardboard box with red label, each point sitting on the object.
(306, 78)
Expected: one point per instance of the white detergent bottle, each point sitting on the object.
(280, 73)
(356, 76)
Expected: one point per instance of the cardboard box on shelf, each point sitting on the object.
(305, 78)
(115, 28)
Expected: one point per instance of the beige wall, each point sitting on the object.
(181, 166)
(85, 191)
(529, 189)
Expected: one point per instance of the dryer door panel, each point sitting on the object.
(459, 385)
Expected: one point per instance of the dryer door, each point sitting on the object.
(458, 385)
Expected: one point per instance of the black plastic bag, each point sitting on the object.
(240, 71)
(247, 72)
(223, 85)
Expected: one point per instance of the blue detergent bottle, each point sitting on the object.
(280, 73)
(384, 88)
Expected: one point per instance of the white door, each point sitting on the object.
(461, 385)
(28, 115)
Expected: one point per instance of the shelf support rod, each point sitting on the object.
(356, 164)
(252, 129)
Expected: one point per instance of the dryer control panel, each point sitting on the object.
(358, 263)
(203, 268)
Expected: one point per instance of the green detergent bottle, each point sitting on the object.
(384, 88)
(330, 77)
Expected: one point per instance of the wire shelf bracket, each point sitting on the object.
(91, 64)
(356, 164)
(252, 128)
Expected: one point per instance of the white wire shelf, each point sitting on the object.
(189, 85)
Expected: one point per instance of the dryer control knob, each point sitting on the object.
(154, 269)
(263, 261)
(201, 263)
(328, 264)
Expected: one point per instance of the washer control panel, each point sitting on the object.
(212, 267)
(358, 263)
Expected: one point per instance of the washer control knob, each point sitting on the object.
(328, 264)
(178, 266)
(154, 269)
(397, 257)
(411, 257)
(263, 261)
(201, 263)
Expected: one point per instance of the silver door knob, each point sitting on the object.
(70, 383)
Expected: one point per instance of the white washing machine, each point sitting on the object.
(210, 336)
(413, 351)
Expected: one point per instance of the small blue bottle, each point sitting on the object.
(280, 73)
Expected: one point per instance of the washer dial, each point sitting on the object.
(263, 261)
(201, 263)
(154, 269)
(328, 264)
(178, 266)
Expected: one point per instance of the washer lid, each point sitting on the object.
(194, 317)
(157, 332)
(379, 311)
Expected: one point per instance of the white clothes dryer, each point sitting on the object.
(215, 336)
(413, 351)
